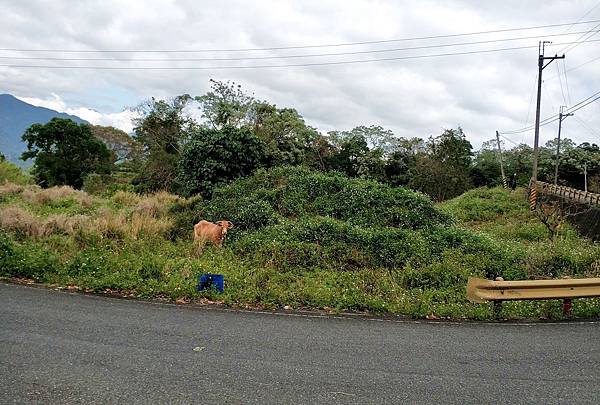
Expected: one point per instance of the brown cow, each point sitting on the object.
(205, 231)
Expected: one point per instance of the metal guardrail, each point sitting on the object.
(481, 290)
(569, 193)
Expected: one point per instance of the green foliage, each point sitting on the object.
(161, 131)
(11, 173)
(325, 243)
(444, 172)
(95, 183)
(485, 204)
(185, 214)
(287, 138)
(302, 238)
(215, 157)
(65, 153)
(23, 261)
(226, 105)
(297, 192)
(122, 146)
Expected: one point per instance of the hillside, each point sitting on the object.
(301, 239)
(15, 117)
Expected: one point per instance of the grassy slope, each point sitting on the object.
(306, 250)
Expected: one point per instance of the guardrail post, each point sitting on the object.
(567, 306)
(497, 308)
(498, 304)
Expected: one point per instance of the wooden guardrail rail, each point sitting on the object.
(481, 290)
(569, 193)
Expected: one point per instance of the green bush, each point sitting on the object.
(11, 173)
(293, 192)
(325, 243)
(185, 215)
(485, 204)
(35, 263)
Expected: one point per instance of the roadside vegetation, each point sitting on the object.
(324, 221)
(302, 239)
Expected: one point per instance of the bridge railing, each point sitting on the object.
(569, 193)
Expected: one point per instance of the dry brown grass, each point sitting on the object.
(126, 198)
(36, 195)
(18, 220)
(151, 207)
(147, 220)
(166, 198)
(157, 204)
(142, 224)
(11, 188)
(116, 225)
(22, 222)
(109, 225)
(66, 224)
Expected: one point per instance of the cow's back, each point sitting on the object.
(205, 230)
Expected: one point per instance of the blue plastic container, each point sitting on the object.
(206, 281)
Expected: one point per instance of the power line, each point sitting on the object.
(279, 56)
(508, 139)
(531, 99)
(561, 86)
(548, 120)
(566, 80)
(586, 127)
(575, 67)
(583, 16)
(302, 46)
(282, 65)
(580, 40)
(586, 104)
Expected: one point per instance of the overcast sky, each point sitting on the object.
(481, 92)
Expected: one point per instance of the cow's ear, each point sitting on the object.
(230, 224)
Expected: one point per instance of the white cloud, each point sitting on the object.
(121, 120)
(481, 92)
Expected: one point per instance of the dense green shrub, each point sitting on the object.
(214, 157)
(185, 215)
(325, 243)
(485, 204)
(11, 173)
(296, 192)
(23, 261)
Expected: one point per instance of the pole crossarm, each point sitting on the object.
(550, 59)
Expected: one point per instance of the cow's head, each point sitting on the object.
(225, 225)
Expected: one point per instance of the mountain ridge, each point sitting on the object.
(15, 117)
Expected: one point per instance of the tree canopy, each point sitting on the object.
(65, 153)
(237, 133)
(217, 156)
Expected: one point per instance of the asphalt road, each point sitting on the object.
(57, 347)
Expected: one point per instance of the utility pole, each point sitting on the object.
(561, 117)
(585, 176)
(541, 67)
(501, 162)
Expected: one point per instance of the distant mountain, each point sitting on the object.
(15, 117)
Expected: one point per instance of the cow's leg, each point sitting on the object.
(200, 244)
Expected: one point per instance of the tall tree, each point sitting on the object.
(226, 104)
(123, 147)
(214, 157)
(486, 166)
(286, 136)
(162, 130)
(445, 171)
(65, 153)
